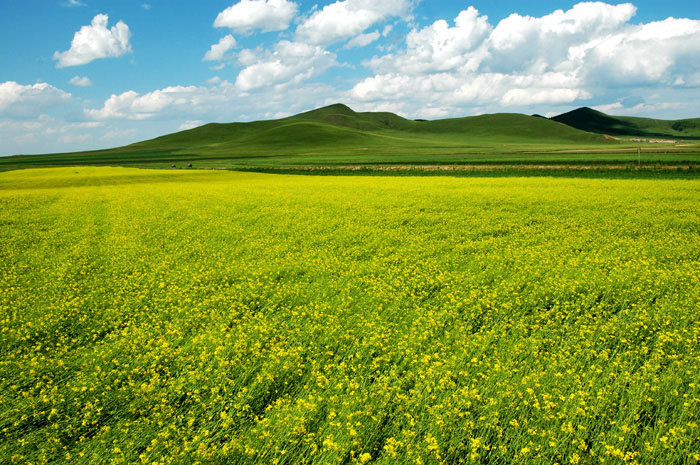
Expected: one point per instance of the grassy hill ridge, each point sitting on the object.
(339, 126)
(590, 120)
(337, 135)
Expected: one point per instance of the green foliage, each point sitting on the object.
(152, 316)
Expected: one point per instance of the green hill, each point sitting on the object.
(509, 127)
(337, 135)
(587, 119)
(338, 127)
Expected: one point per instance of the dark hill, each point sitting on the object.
(587, 119)
(507, 127)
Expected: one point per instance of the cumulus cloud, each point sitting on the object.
(589, 54)
(440, 47)
(533, 96)
(524, 42)
(362, 40)
(563, 57)
(132, 105)
(289, 64)
(184, 103)
(79, 81)
(348, 18)
(443, 88)
(664, 51)
(23, 101)
(95, 41)
(219, 49)
(218, 100)
(266, 15)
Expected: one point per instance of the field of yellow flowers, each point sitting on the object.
(157, 317)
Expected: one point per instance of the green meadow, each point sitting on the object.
(219, 317)
(337, 136)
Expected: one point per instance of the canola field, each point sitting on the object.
(183, 317)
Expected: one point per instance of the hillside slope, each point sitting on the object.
(337, 135)
(339, 127)
(587, 119)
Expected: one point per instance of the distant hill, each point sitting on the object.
(587, 119)
(336, 134)
(339, 127)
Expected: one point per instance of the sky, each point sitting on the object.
(90, 74)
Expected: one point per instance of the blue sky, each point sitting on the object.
(89, 74)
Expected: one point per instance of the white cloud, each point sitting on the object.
(45, 134)
(168, 103)
(114, 134)
(74, 3)
(190, 124)
(86, 125)
(132, 105)
(95, 41)
(607, 108)
(564, 57)
(290, 63)
(439, 47)
(655, 107)
(523, 42)
(146, 6)
(266, 15)
(219, 49)
(79, 81)
(348, 18)
(433, 113)
(130, 116)
(591, 55)
(23, 101)
(362, 40)
(658, 52)
(443, 88)
(74, 138)
(535, 96)
(452, 91)
(220, 100)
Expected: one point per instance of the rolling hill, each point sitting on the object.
(337, 135)
(340, 128)
(587, 119)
